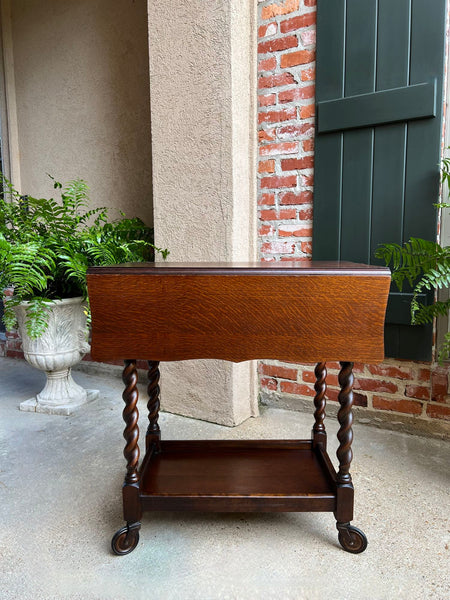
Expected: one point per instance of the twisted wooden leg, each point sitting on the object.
(153, 432)
(127, 538)
(345, 418)
(351, 539)
(130, 416)
(320, 386)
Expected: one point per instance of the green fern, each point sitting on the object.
(47, 245)
(444, 351)
(424, 313)
(25, 266)
(37, 311)
(412, 259)
(425, 265)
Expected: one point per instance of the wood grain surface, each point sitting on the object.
(237, 475)
(293, 312)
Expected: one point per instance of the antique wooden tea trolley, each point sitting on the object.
(295, 312)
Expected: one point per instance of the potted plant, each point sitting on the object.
(46, 247)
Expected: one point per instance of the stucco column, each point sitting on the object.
(203, 94)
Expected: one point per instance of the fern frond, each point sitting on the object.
(100, 214)
(422, 313)
(75, 194)
(30, 268)
(444, 351)
(36, 322)
(411, 260)
(75, 267)
(9, 316)
(37, 317)
(437, 276)
(103, 254)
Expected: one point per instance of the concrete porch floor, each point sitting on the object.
(60, 503)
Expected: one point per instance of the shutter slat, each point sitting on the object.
(390, 140)
(366, 110)
(360, 61)
(388, 186)
(356, 195)
(328, 174)
(393, 50)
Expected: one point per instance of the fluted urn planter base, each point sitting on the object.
(33, 405)
(60, 347)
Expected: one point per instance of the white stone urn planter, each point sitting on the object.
(60, 347)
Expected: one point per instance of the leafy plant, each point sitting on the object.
(47, 245)
(425, 265)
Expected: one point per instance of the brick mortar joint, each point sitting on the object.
(401, 382)
(398, 395)
(301, 11)
(369, 396)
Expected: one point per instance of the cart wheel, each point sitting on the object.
(352, 539)
(125, 540)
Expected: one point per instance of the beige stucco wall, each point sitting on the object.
(202, 60)
(202, 73)
(82, 96)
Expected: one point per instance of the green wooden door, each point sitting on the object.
(379, 85)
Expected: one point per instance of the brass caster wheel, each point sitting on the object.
(126, 539)
(351, 538)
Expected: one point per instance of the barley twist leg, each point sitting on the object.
(153, 431)
(351, 538)
(345, 418)
(126, 539)
(320, 386)
(130, 416)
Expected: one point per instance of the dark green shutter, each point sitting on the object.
(379, 98)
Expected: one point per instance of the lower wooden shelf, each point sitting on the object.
(238, 476)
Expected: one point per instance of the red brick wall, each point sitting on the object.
(286, 54)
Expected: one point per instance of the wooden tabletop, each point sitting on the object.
(291, 311)
(245, 268)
